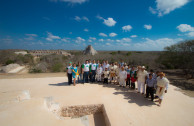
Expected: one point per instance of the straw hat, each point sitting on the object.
(162, 74)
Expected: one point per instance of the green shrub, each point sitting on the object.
(128, 53)
(9, 62)
(57, 67)
(113, 53)
(34, 70)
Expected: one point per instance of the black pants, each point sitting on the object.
(128, 82)
(132, 85)
(105, 80)
(85, 77)
(150, 91)
(93, 75)
(69, 78)
(90, 76)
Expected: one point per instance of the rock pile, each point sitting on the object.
(8, 68)
(90, 50)
(82, 110)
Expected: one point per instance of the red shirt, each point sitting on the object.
(133, 79)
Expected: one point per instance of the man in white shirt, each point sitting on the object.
(85, 71)
(99, 73)
(93, 68)
(69, 73)
(141, 78)
(107, 65)
(122, 77)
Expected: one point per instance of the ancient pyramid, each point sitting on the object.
(90, 50)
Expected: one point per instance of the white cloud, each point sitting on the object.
(71, 1)
(102, 34)
(92, 38)
(123, 40)
(30, 36)
(166, 6)
(51, 37)
(148, 27)
(108, 44)
(133, 36)
(112, 34)
(86, 30)
(108, 22)
(65, 39)
(101, 40)
(153, 11)
(79, 40)
(84, 18)
(110, 40)
(185, 28)
(191, 34)
(157, 44)
(127, 28)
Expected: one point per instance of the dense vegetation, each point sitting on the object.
(179, 56)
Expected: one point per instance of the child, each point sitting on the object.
(151, 82)
(112, 75)
(133, 80)
(69, 73)
(74, 73)
(106, 74)
(99, 73)
(122, 77)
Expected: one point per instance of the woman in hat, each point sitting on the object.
(162, 86)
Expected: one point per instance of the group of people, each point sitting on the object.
(148, 83)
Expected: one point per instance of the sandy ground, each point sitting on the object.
(124, 107)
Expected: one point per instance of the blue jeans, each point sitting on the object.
(85, 77)
(80, 78)
(93, 75)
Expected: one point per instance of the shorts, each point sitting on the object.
(74, 76)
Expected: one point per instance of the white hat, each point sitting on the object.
(143, 67)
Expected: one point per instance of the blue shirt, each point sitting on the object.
(75, 70)
(151, 82)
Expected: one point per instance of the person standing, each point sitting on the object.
(133, 80)
(151, 82)
(162, 86)
(128, 82)
(80, 76)
(69, 73)
(93, 68)
(99, 73)
(107, 66)
(106, 75)
(141, 78)
(85, 71)
(90, 73)
(122, 77)
(74, 73)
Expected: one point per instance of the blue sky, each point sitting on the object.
(143, 25)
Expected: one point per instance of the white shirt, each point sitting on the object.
(141, 75)
(69, 69)
(93, 66)
(99, 70)
(123, 75)
(107, 66)
(86, 67)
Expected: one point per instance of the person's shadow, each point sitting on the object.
(60, 84)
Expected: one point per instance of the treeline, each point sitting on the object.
(179, 56)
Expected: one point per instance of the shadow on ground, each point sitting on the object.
(131, 95)
(60, 84)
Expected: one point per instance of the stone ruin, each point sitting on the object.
(90, 50)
